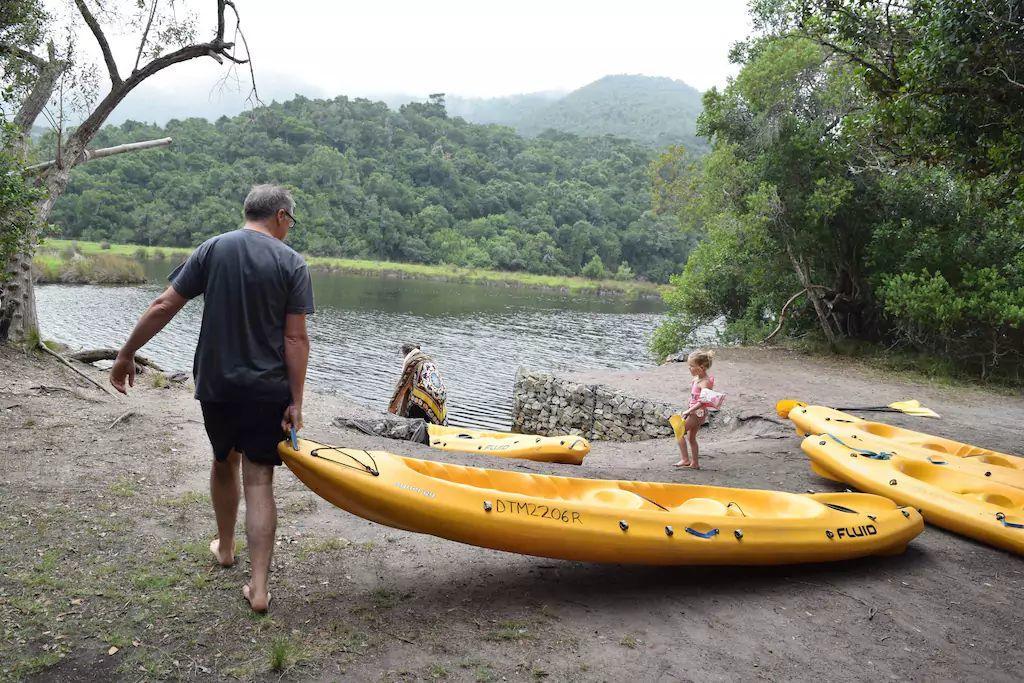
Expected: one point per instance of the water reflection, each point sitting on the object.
(478, 335)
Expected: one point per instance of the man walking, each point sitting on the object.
(249, 368)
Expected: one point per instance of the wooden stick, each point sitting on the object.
(65, 361)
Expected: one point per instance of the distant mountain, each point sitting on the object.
(652, 110)
(655, 111)
(506, 111)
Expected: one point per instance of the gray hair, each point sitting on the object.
(263, 201)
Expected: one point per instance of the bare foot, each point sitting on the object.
(682, 463)
(694, 466)
(258, 603)
(227, 560)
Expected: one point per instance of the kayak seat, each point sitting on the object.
(703, 506)
(618, 499)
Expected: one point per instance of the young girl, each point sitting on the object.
(694, 416)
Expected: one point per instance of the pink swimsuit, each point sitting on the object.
(695, 388)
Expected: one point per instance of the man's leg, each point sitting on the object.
(225, 492)
(260, 528)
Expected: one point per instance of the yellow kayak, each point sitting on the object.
(569, 450)
(602, 521)
(969, 504)
(880, 437)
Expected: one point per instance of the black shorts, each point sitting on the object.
(249, 427)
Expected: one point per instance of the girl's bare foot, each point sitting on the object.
(259, 603)
(682, 463)
(226, 559)
(693, 466)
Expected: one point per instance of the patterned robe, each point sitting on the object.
(420, 386)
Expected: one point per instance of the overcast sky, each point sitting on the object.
(482, 48)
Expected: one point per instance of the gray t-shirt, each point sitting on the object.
(249, 281)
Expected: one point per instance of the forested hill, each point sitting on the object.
(654, 111)
(413, 185)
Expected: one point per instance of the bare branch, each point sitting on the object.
(145, 34)
(852, 56)
(998, 69)
(253, 97)
(38, 62)
(91, 154)
(108, 56)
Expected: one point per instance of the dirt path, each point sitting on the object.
(104, 532)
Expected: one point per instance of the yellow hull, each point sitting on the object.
(880, 437)
(569, 450)
(969, 504)
(602, 521)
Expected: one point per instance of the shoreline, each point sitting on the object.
(109, 573)
(390, 269)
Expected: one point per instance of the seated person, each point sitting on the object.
(420, 392)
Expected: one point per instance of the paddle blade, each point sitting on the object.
(913, 407)
(678, 426)
(787, 404)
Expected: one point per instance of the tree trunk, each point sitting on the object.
(819, 306)
(18, 319)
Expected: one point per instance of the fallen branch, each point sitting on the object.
(93, 355)
(78, 372)
(123, 418)
(782, 313)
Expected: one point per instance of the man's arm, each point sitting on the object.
(296, 358)
(156, 317)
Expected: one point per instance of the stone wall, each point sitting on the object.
(548, 405)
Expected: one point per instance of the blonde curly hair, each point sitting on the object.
(701, 358)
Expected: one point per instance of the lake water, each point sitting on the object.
(479, 335)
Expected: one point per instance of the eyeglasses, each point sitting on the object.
(291, 218)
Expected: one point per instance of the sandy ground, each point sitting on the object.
(103, 532)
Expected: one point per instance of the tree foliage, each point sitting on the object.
(413, 185)
(867, 155)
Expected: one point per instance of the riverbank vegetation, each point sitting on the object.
(866, 171)
(55, 253)
(412, 186)
(70, 264)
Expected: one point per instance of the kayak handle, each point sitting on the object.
(881, 455)
(702, 534)
(1002, 518)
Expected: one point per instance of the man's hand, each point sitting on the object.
(292, 417)
(159, 313)
(123, 369)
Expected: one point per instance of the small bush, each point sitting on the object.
(624, 272)
(159, 255)
(139, 254)
(104, 245)
(594, 269)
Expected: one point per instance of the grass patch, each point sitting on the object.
(385, 598)
(436, 672)
(189, 499)
(629, 641)
(33, 665)
(124, 488)
(510, 630)
(912, 366)
(283, 653)
(160, 381)
(324, 546)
